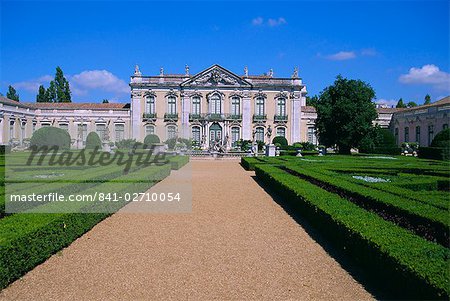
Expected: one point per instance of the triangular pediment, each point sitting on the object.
(215, 76)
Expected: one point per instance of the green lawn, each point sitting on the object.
(388, 212)
(40, 229)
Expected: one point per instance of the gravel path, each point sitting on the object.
(236, 244)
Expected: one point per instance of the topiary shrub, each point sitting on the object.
(281, 140)
(93, 141)
(151, 139)
(442, 139)
(50, 136)
(128, 144)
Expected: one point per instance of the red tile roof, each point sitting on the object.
(79, 106)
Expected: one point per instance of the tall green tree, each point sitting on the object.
(427, 99)
(312, 101)
(50, 94)
(400, 104)
(411, 104)
(61, 87)
(345, 112)
(105, 101)
(12, 94)
(42, 95)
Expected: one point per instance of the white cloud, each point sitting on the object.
(276, 22)
(386, 102)
(342, 56)
(259, 21)
(428, 75)
(33, 84)
(97, 80)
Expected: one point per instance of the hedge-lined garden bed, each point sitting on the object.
(27, 239)
(351, 200)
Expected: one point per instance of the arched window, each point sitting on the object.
(196, 134)
(235, 135)
(259, 134)
(150, 105)
(171, 105)
(101, 130)
(259, 107)
(196, 105)
(171, 131)
(215, 104)
(149, 130)
(281, 107)
(281, 131)
(235, 106)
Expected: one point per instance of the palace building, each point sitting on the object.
(212, 105)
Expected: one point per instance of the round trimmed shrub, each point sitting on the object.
(281, 140)
(151, 139)
(442, 139)
(93, 141)
(50, 136)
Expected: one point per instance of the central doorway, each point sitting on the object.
(215, 133)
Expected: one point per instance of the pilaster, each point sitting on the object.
(246, 116)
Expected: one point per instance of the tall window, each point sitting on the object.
(215, 104)
(34, 127)
(281, 107)
(312, 135)
(259, 108)
(418, 134)
(120, 131)
(259, 134)
(171, 105)
(101, 131)
(430, 133)
(281, 132)
(150, 105)
(149, 130)
(235, 106)
(82, 132)
(196, 105)
(22, 130)
(196, 134)
(406, 134)
(171, 131)
(11, 130)
(396, 135)
(235, 136)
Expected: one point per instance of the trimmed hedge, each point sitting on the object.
(435, 153)
(50, 136)
(442, 139)
(280, 140)
(151, 139)
(93, 141)
(411, 265)
(5, 149)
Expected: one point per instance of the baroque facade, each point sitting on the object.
(217, 105)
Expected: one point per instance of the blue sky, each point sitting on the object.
(401, 48)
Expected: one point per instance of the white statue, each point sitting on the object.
(186, 68)
(137, 72)
(295, 74)
(161, 71)
(246, 71)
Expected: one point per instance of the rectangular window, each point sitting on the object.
(196, 106)
(259, 134)
(101, 131)
(196, 135)
(312, 135)
(281, 132)
(82, 132)
(120, 132)
(396, 135)
(418, 134)
(150, 105)
(64, 126)
(259, 110)
(430, 134)
(406, 134)
(281, 107)
(171, 132)
(235, 106)
(171, 105)
(235, 136)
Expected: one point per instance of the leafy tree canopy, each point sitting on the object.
(400, 104)
(58, 90)
(411, 104)
(312, 101)
(427, 99)
(345, 112)
(12, 94)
